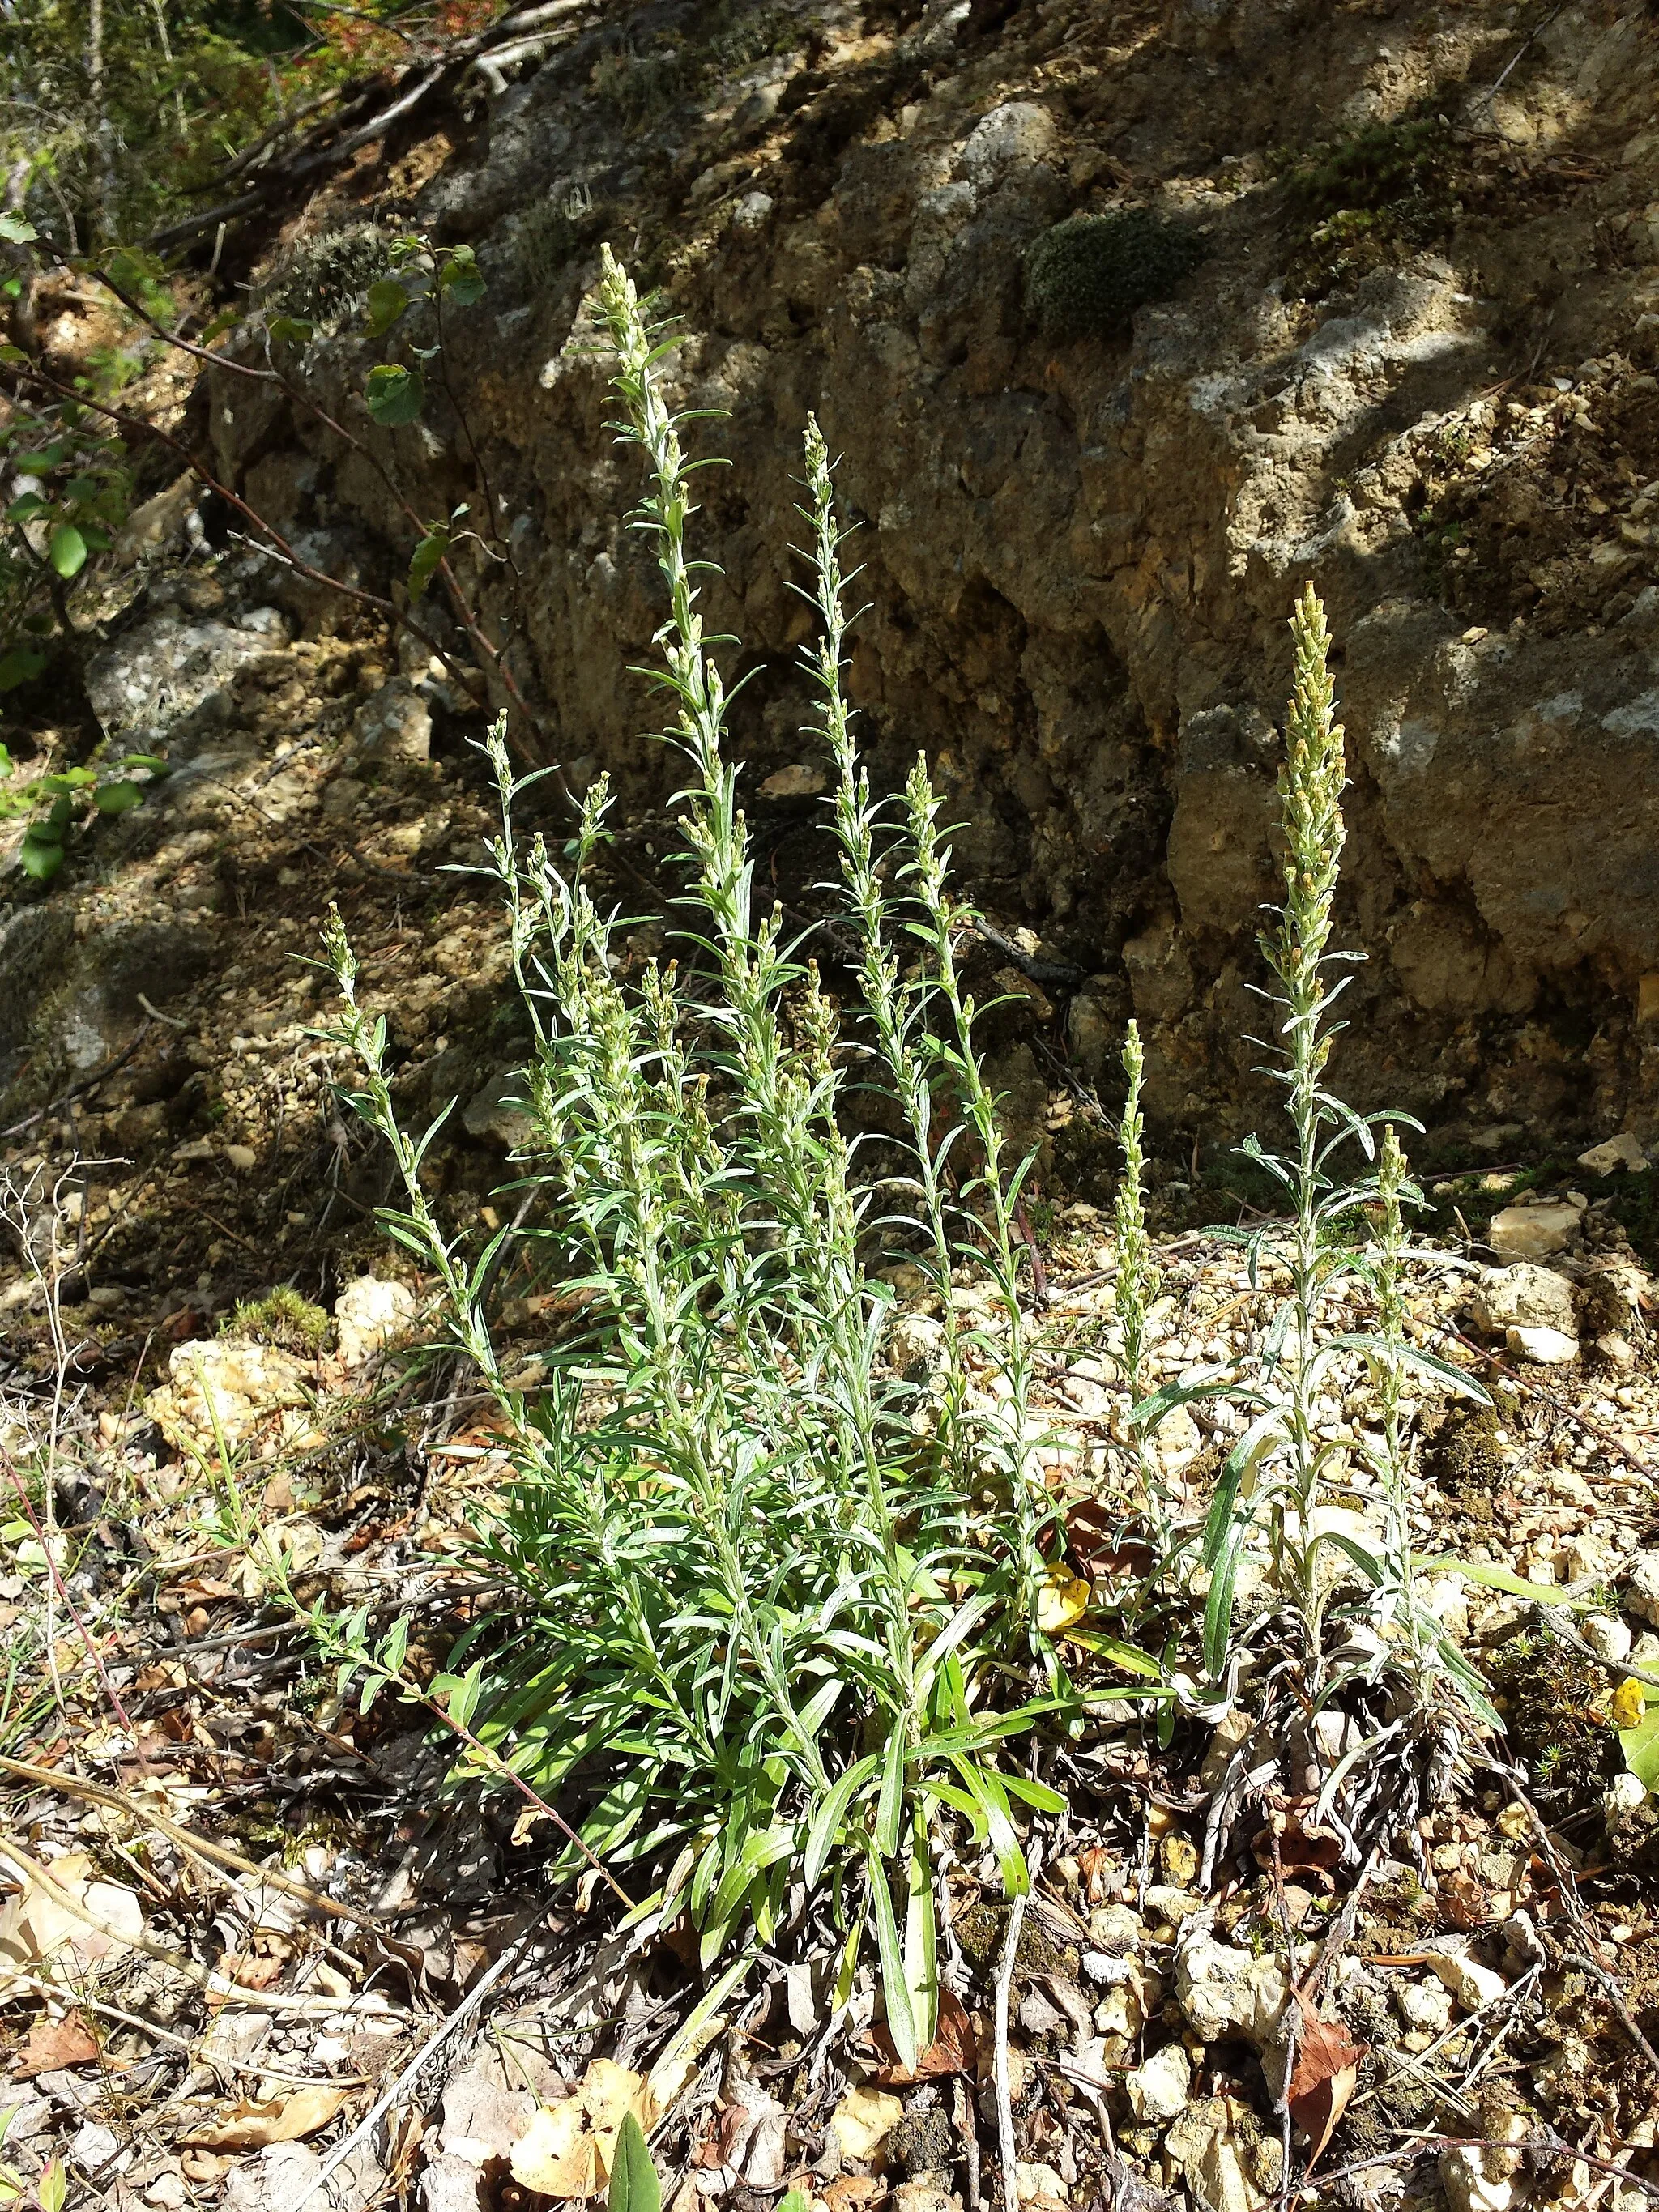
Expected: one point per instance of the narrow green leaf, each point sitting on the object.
(901, 2019)
(992, 1798)
(423, 566)
(633, 2186)
(922, 1938)
(889, 1805)
(1218, 1605)
(825, 1820)
(1500, 1578)
(1035, 1794)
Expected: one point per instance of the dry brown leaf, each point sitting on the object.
(557, 2155)
(51, 2043)
(954, 2049)
(1097, 1868)
(567, 2149)
(863, 2121)
(1463, 1899)
(853, 2189)
(249, 2125)
(1327, 2069)
(34, 1927)
(1307, 1853)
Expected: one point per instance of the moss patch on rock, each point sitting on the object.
(1086, 277)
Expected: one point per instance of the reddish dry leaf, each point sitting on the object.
(1098, 1868)
(1327, 2069)
(852, 2190)
(732, 2124)
(51, 2043)
(1463, 1900)
(1306, 1852)
(251, 1970)
(1094, 1538)
(954, 2049)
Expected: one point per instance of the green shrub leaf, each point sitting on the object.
(120, 796)
(387, 301)
(395, 395)
(67, 550)
(461, 278)
(427, 555)
(39, 858)
(20, 665)
(1640, 1745)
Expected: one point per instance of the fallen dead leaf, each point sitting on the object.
(851, 2191)
(35, 1928)
(51, 2043)
(1307, 1853)
(1094, 1537)
(1466, 1903)
(954, 2049)
(567, 2149)
(1514, 1822)
(1040, 2187)
(1327, 2070)
(863, 2121)
(249, 2125)
(669, 2080)
(1098, 1868)
(1063, 1599)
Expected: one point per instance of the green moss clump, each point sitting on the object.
(1085, 277)
(282, 1318)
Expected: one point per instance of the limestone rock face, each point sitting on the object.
(1078, 558)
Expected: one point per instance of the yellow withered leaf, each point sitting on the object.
(1627, 1703)
(568, 2149)
(1063, 1599)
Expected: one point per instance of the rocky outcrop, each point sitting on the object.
(1079, 554)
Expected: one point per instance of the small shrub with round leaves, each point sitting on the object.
(1085, 277)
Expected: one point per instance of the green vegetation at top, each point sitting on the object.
(1370, 200)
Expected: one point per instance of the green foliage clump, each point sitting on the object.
(1085, 277)
(639, 88)
(1368, 201)
(284, 1318)
(782, 1603)
(788, 1573)
(550, 233)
